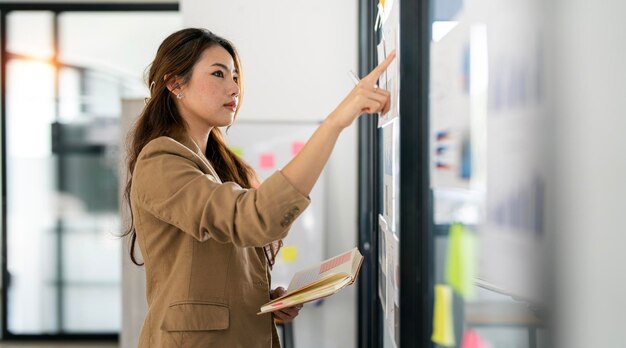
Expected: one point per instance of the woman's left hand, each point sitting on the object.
(285, 314)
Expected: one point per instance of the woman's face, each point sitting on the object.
(210, 96)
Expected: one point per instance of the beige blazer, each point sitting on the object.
(201, 239)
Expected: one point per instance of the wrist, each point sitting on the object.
(331, 122)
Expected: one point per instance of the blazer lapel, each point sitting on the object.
(186, 140)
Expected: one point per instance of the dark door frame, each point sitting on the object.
(415, 211)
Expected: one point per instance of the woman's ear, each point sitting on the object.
(174, 84)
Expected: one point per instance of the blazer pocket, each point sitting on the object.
(196, 316)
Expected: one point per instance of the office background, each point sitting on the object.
(585, 125)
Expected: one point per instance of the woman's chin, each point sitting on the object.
(227, 123)
(222, 122)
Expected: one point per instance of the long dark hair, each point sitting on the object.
(176, 57)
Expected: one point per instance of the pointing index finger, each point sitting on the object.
(380, 69)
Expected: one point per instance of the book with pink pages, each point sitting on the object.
(319, 281)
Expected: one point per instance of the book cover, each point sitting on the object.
(318, 281)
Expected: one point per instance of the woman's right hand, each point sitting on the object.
(305, 168)
(366, 97)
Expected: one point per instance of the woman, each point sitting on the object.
(207, 231)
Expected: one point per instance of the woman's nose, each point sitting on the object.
(235, 89)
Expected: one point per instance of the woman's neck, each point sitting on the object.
(200, 137)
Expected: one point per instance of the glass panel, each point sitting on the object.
(31, 253)
(70, 103)
(92, 308)
(87, 242)
(100, 88)
(62, 166)
(30, 34)
(28, 135)
(485, 105)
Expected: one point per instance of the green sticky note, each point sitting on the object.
(237, 150)
(461, 260)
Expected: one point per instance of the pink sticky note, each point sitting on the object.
(471, 339)
(296, 146)
(266, 161)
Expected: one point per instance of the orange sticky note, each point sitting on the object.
(266, 161)
(296, 146)
(443, 324)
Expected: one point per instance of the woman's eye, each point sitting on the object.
(236, 78)
(218, 74)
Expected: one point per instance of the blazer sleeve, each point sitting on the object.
(170, 185)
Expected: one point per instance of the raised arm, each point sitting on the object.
(305, 168)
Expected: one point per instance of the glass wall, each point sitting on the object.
(464, 202)
(66, 75)
(487, 173)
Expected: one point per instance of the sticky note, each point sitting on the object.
(471, 339)
(289, 253)
(296, 146)
(266, 161)
(443, 324)
(461, 260)
(237, 151)
(385, 6)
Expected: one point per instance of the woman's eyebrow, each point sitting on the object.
(224, 67)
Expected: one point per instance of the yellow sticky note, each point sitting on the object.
(237, 151)
(289, 253)
(443, 324)
(461, 260)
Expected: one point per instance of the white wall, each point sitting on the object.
(295, 57)
(589, 93)
(295, 54)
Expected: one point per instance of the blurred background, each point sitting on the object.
(66, 72)
(526, 97)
